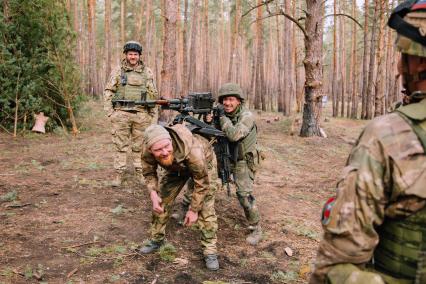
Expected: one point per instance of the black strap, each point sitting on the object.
(123, 78)
(397, 22)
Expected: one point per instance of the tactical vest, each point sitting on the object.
(248, 143)
(401, 251)
(132, 86)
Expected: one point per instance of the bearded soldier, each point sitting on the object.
(132, 81)
(183, 156)
(375, 227)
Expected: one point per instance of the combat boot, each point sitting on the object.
(211, 262)
(150, 247)
(255, 236)
(118, 180)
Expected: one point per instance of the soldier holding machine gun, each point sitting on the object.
(236, 147)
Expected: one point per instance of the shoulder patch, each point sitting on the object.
(326, 211)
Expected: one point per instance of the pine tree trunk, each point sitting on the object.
(334, 78)
(234, 36)
(168, 72)
(93, 84)
(365, 61)
(342, 60)
(139, 23)
(313, 67)
(184, 79)
(193, 49)
(370, 89)
(259, 100)
(206, 72)
(380, 80)
(107, 38)
(353, 72)
(123, 14)
(149, 24)
(280, 65)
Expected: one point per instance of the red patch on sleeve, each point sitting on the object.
(326, 211)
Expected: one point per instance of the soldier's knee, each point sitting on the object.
(246, 200)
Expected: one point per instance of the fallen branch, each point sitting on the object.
(18, 273)
(18, 205)
(72, 272)
(80, 245)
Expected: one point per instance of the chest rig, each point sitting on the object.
(401, 252)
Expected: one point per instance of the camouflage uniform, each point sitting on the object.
(193, 158)
(239, 126)
(374, 229)
(385, 179)
(128, 124)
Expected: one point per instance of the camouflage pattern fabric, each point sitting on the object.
(385, 177)
(237, 126)
(127, 133)
(128, 126)
(194, 159)
(113, 85)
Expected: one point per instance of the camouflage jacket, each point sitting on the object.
(238, 124)
(113, 83)
(385, 177)
(192, 155)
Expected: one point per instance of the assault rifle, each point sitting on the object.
(195, 104)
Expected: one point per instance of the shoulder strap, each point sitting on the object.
(417, 129)
(123, 78)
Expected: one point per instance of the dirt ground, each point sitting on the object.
(62, 222)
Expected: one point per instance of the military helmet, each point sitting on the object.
(132, 46)
(409, 21)
(230, 89)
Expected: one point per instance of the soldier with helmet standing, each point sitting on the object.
(132, 81)
(375, 226)
(239, 125)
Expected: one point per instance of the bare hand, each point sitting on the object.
(156, 202)
(209, 118)
(190, 218)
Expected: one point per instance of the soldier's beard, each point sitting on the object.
(166, 161)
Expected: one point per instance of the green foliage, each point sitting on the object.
(37, 69)
(168, 252)
(10, 196)
(284, 277)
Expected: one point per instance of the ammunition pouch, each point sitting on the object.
(401, 251)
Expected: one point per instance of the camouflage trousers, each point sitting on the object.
(127, 133)
(170, 186)
(244, 180)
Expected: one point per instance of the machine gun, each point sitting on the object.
(195, 104)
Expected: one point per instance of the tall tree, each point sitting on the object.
(334, 77)
(184, 78)
(123, 16)
(365, 60)
(313, 68)
(259, 94)
(93, 78)
(193, 50)
(372, 65)
(206, 71)
(353, 68)
(234, 37)
(108, 48)
(380, 77)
